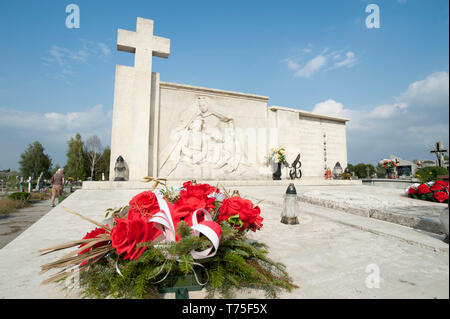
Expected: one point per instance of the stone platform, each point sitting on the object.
(307, 181)
(330, 254)
(386, 204)
(390, 183)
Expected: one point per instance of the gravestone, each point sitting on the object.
(40, 182)
(179, 131)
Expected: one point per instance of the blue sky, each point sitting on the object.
(317, 56)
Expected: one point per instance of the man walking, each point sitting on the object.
(57, 181)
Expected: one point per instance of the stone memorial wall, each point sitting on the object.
(179, 131)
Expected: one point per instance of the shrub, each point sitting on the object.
(20, 196)
(428, 174)
(8, 205)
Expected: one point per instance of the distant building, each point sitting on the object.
(428, 163)
(432, 163)
(404, 168)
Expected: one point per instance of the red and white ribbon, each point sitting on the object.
(163, 221)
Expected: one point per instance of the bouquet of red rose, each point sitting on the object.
(389, 164)
(436, 191)
(194, 230)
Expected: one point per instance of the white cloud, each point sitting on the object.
(292, 65)
(335, 55)
(312, 66)
(104, 49)
(332, 108)
(52, 129)
(65, 59)
(433, 91)
(407, 127)
(387, 110)
(349, 61)
(318, 63)
(90, 119)
(63, 56)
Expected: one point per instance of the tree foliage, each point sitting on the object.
(427, 174)
(87, 158)
(360, 169)
(92, 149)
(381, 171)
(102, 165)
(34, 161)
(75, 166)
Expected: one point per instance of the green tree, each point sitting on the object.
(360, 169)
(75, 166)
(103, 164)
(381, 171)
(34, 161)
(92, 149)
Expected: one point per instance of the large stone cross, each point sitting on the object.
(439, 153)
(144, 45)
(142, 42)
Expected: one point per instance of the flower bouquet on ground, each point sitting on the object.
(436, 191)
(196, 230)
(277, 156)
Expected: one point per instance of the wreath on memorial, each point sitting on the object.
(436, 191)
(195, 230)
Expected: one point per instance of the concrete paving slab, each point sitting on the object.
(327, 258)
(375, 202)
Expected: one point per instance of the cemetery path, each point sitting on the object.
(13, 224)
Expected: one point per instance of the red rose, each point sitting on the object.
(129, 232)
(193, 198)
(248, 214)
(197, 190)
(257, 224)
(144, 204)
(440, 196)
(92, 234)
(437, 187)
(412, 190)
(187, 184)
(440, 183)
(423, 189)
(186, 206)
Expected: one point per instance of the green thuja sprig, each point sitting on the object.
(239, 264)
